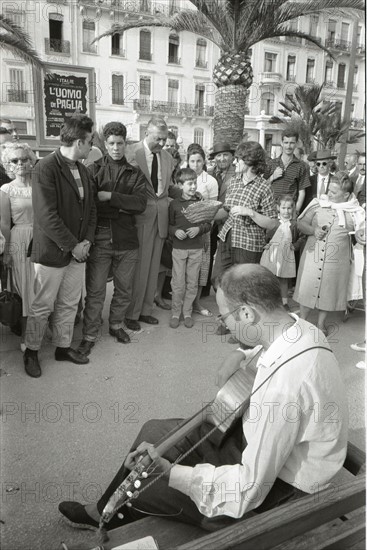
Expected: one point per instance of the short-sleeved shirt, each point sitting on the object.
(295, 177)
(258, 196)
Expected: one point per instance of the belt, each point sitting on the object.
(103, 224)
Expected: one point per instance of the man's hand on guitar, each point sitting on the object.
(229, 366)
(160, 463)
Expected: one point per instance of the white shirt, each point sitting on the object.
(319, 184)
(149, 159)
(207, 186)
(352, 171)
(296, 428)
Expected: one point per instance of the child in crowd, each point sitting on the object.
(278, 255)
(187, 249)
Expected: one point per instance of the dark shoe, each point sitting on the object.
(148, 319)
(121, 335)
(31, 365)
(189, 323)
(74, 513)
(162, 304)
(85, 347)
(70, 354)
(132, 324)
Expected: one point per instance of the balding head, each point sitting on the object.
(350, 161)
(156, 134)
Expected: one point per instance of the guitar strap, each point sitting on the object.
(244, 405)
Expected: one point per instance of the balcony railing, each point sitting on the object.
(17, 96)
(310, 80)
(270, 78)
(118, 51)
(131, 6)
(172, 108)
(338, 44)
(294, 39)
(329, 84)
(201, 64)
(291, 78)
(145, 55)
(174, 59)
(361, 49)
(89, 48)
(53, 45)
(357, 123)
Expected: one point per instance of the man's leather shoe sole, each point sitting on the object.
(132, 324)
(74, 514)
(85, 347)
(69, 354)
(121, 335)
(32, 366)
(148, 319)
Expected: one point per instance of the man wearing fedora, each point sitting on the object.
(320, 181)
(312, 163)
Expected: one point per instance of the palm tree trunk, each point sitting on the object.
(229, 114)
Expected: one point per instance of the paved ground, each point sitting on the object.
(63, 435)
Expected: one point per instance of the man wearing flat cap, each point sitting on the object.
(320, 181)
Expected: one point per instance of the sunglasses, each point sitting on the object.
(322, 163)
(21, 161)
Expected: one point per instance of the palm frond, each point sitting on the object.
(221, 14)
(19, 48)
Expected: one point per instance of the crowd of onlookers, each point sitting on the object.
(120, 214)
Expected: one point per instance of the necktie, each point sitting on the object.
(154, 173)
(322, 187)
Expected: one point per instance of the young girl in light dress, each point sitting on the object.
(278, 255)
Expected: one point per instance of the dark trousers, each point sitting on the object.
(102, 258)
(160, 499)
(228, 255)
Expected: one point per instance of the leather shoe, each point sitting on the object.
(85, 347)
(31, 365)
(132, 324)
(70, 354)
(74, 513)
(162, 304)
(121, 335)
(148, 319)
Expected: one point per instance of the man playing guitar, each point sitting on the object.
(290, 439)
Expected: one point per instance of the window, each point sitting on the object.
(144, 89)
(291, 67)
(267, 103)
(16, 17)
(345, 32)
(331, 29)
(355, 77)
(173, 45)
(172, 91)
(352, 110)
(293, 25)
(310, 71)
(144, 5)
(338, 109)
(199, 98)
(16, 91)
(116, 45)
(55, 24)
(201, 53)
(329, 71)
(314, 22)
(174, 130)
(199, 136)
(270, 62)
(117, 89)
(359, 32)
(172, 7)
(341, 76)
(268, 143)
(89, 30)
(145, 45)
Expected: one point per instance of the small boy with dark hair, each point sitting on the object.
(187, 249)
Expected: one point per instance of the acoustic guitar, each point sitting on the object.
(229, 404)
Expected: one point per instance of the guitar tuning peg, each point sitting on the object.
(137, 484)
(128, 505)
(144, 475)
(120, 516)
(129, 494)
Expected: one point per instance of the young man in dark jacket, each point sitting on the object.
(121, 193)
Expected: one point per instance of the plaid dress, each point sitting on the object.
(257, 195)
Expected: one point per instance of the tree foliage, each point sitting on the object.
(13, 39)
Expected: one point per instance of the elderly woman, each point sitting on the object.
(324, 270)
(251, 207)
(17, 220)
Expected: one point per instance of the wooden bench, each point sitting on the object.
(331, 519)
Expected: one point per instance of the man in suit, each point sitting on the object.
(63, 231)
(350, 164)
(152, 225)
(320, 181)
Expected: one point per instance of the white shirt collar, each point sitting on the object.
(290, 335)
(147, 150)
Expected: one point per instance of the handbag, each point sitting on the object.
(10, 303)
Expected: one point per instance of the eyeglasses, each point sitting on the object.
(21, 161)
(221, 318)
(322, 163)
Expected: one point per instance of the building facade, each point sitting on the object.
(155, 71)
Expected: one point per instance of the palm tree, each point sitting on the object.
(234, 26)
(315, 119)
(13, 39)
